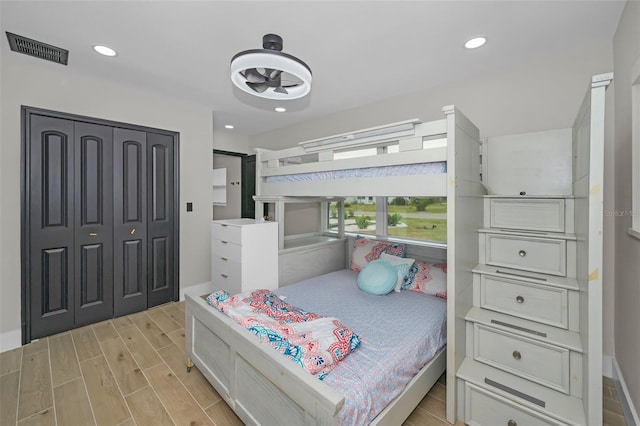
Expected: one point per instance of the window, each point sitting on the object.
(360, 215)
(404, 218)
(417, 218)
(635, 147)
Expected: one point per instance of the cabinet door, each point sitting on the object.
(160, 218)
(51, 222)
(130, 221)
(93, 165)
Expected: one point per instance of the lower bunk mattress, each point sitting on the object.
(400, 332)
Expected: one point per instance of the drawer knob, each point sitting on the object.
(512, 423)
(224, 275)
(523, 193)
(223, 242)
(225, 259)
(522, 253)
(517, 355)
(520, 299)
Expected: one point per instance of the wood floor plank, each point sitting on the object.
(178, 338)
(150, 330)
(121, 321)
(44, 418)
(194, 381)
(420, 417)
(109, 407)
(64, 363)
(10, 361)
(175, 313)
(221, 414)
(86, 343)
(35, 346)
(147, 409)
(179, 403)
(144, 354)
(125, 369)
(72, 404)
(35, 384)
(163, 320)
(105, 330)
(434, 406)
(9, 395)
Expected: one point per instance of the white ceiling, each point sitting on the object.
(359, 51)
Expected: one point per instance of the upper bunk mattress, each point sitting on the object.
(399, 332)
(366, 172)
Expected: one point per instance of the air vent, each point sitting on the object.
(38, 49)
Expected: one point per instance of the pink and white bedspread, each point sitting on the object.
(316, 343)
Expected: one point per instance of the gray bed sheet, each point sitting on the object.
(400, 333)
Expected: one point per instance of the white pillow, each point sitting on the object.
(402, 264)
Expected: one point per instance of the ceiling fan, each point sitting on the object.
(270, 73)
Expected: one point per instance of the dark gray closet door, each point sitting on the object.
(130, 221)
(93, 168)
(51, 223)
(160, 223)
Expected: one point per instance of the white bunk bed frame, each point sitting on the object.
(262, 386)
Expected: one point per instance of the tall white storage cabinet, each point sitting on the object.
(244, 255)
(533, 352)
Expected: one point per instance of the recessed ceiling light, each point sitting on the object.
(475, 42)
(228, 126)
(104, 50)
(280, 109)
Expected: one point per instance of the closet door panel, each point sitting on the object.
(130, 221)
(160, 184)
(93, 150)
(50, 225)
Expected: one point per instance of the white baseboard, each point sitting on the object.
(630, 412)
(607, 366)
(10, 340)
(197, 289)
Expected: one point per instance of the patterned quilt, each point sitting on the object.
(316, 343)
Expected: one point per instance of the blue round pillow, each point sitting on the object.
(378, 277)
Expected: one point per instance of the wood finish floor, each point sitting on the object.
(131, 371)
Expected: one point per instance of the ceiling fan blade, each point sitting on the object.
(258, 87)
(280, 89)
(253, 76)
(273, 74)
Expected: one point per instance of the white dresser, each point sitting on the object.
(523, 360)
(244, 255)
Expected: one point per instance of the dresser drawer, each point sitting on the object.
(539, 362)
(528, 214)
(548, 256)
(484, 408)
(548, 305)
(226, 275)
(222, 248)
(224, 232)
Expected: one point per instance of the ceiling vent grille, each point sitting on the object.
(38, 49)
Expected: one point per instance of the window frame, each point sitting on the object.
(382, 212)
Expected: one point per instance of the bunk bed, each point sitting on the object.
(436, 158)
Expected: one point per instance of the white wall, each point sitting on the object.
(539, 95)
(33, 82)
(626, 51)
(229, 140)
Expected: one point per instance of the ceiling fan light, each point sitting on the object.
(272, 60)
(263, 72)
